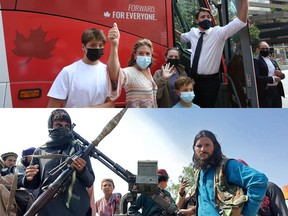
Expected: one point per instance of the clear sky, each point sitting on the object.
(258, 136)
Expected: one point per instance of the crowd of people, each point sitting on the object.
(89, 82)
(222, 186)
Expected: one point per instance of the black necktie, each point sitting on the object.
(194, 68)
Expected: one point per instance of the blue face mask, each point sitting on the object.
(143, 61)
(187, 96)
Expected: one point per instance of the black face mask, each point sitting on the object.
(60, 138)
(58, 133)
(94, 54)
(174, 62)
(205, 24)
(264, 53)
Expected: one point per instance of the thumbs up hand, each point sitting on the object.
(114, 35)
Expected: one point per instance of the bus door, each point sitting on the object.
(242, 87)
(238, 88)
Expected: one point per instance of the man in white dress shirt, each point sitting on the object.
(207, 79)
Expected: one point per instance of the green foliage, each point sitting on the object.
(254, 33)
(254, 37)
(187, 173)
(187, 9)
(284, 9)
(186, 20)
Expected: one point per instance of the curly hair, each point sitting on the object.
(183, 80)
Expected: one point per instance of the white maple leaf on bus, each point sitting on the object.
(107, 14)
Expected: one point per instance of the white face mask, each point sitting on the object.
(143, 61)
(187, 96)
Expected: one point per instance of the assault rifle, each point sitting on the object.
(60, 183)
(145, 182)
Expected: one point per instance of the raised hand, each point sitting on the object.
(114, 35)
(167, 71)
(31, 171)
(184, 183)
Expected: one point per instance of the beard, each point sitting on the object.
(210, 161)
(203, 164)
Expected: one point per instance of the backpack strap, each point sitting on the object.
(196, 177)
(229, 198)
(219, 175)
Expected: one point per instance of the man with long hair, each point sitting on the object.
(210, 164)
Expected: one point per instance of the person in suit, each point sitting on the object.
(268, 78)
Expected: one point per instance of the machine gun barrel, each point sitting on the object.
(55, 187)
(97, 154)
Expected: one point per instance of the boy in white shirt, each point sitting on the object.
(83, 83)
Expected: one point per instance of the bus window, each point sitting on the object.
(184, 18)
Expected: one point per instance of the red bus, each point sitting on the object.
(39, 38)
